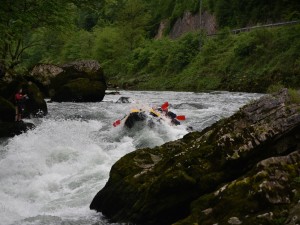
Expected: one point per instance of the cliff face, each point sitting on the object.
(188, 23)
(244, 169)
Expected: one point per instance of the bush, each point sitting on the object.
(294, 96)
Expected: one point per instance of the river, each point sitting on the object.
(50, 175)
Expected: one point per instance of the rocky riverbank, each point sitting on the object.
(242, 170)
(80, 81)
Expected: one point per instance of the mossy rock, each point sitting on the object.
(7, 111)
(51, 78)
(81, 90)
(158, 186)
(266, 195)
(83, 71)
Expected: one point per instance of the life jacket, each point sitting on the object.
(18, 97)
(20, 100)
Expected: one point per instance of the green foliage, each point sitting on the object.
(51, 47)
(247, 62)
(165, 57)
(118, 35)
(109, 49)
(294, 96)
(19, 19)
(132, 21)
(79, 46)
(273, 88)
(297, 180)
(236, 13)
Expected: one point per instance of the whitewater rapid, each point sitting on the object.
(50, 175)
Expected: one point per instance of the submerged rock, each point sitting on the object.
(243, 169)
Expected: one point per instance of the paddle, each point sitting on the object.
(181, 117)
(165, 106)
(118, 122)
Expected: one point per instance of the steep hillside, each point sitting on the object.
(123, 37)
(251, 61)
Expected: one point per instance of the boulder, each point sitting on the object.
(36, 104)
(63, 83)
(10, 129)
(80, 90)
(194, 178)
(44, 73)
(7, 111)
(81, 81)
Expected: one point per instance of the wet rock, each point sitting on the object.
(35, 105)
(123, 100)
(10, 129)
(243, 166)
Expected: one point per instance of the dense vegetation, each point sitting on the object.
(119, 34)
(236, 13)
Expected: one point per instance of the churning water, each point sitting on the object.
(50, 175)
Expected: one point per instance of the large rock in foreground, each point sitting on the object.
(241, 170)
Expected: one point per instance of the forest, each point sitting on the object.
(120, 35)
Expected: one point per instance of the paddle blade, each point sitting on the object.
(165, 106)
(181, 117)
(117, 123)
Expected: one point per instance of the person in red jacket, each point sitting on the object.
(20, 100)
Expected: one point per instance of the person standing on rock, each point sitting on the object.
(20, 99)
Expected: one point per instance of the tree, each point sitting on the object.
(133, 20)
(20, 18)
